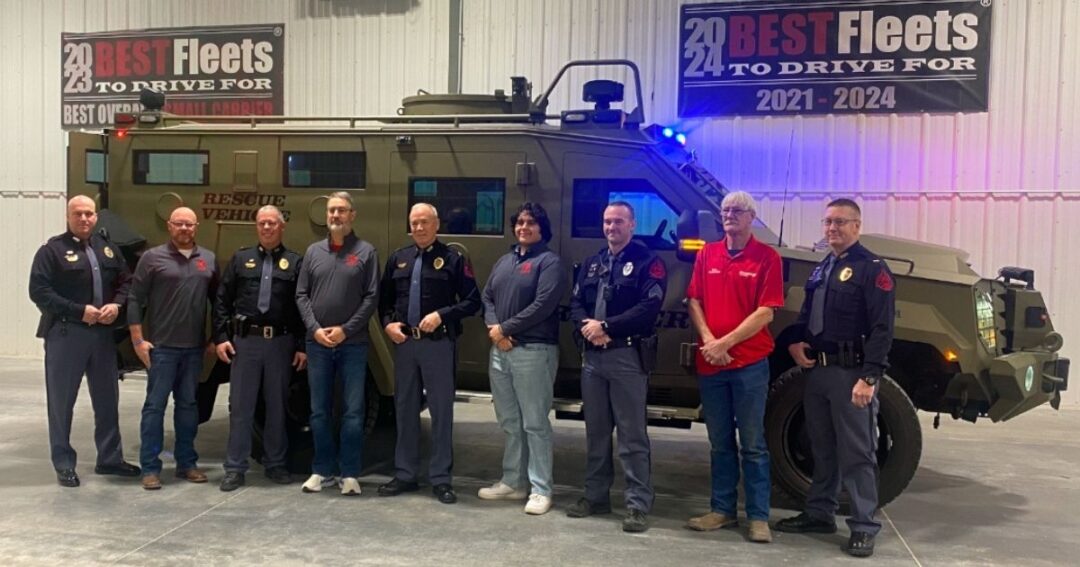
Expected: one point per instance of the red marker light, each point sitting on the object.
(121, 133)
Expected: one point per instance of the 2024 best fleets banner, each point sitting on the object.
(815, 57)
(219, 70)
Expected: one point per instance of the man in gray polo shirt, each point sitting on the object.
(167, 311)
(337, 292)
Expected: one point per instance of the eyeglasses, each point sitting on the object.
(338, 210)
(838, 223)
(733, 211)
(184, 224)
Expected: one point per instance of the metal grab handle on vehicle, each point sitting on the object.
(538, 109)
(909, 262)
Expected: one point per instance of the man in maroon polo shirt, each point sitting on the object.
(736, 285)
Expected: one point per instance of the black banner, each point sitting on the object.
(220, 70)
(816, 57)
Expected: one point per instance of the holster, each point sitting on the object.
(647, 351)
(238, 326)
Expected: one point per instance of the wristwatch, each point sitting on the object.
(870, 380)
(603, 325)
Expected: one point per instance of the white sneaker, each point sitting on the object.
(501, 491)
(315, 483)
(349, 486)
(538, 504)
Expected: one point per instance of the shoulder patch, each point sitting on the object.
(884, 281)
(657, 270)
(468, 269)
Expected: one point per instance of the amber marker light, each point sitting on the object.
(691, 244)
(951, 355)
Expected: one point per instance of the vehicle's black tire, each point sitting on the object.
(899, 439)
(301, 451)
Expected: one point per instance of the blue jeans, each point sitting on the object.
(348, 363)
(735, 399)
(173, 370)
(522, 386)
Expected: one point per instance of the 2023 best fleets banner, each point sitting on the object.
(815, 57)
(219, 70)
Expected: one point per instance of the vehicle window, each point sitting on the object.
(472, 205)
(655, 217)
(325, 170)
(95, 166)
(171, 168)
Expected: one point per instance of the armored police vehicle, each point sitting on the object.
(965, 345)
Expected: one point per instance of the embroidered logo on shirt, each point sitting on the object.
(352, 260)
(657, 269)
(468, 270)
(884, 281)
(526, 267)
(200, 265)
(747, 274)
(714, 271)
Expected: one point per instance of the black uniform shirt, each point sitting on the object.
(61, 279)
(523, 292)
(171, 293)
(636, 282)
(447, 285)
(860, 307)
(238, 293)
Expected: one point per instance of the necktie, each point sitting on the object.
(266, 283)
(413, 317)
(95, 275)
(817, 307)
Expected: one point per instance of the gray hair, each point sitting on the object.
(740, 199)
(344, 196)
(430, 207)
(271, 209)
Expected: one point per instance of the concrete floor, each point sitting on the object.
(986, 494)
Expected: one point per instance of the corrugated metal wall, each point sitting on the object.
(1001, 185)
(342, 57)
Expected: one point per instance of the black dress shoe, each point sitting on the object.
(860, 544)
(118, 469)
(397, 486)
(803, 523)
(636, 521)
(445, 493)
(583, 508)
(67, 477)
(278, 475)
(232, 481)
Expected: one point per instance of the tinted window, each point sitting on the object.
(95, 166)
(171, 168)
(655, 217)
(327, 170)
(466, 205)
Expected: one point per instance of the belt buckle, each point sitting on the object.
(822, 359)
(268, 332)
(416, 333)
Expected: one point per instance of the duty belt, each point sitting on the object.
(440, 332)
(265, 331)
(622, 342)
(834, 359)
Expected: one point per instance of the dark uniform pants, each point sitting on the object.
(70, 350)
(843, 439)
(613, 390)
(267, 364)
(424, 365)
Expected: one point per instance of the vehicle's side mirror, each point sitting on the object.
(694, 230)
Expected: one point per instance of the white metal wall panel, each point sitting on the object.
(1001, 185)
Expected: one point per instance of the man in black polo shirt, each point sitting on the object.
(259, 332)
(167, 313)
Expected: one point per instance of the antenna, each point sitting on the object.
(787, 180)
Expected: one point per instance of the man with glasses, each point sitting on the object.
(337, 293)
(80, 281)
(167, 311)
(259, 333)
(736, 285)
(613, 306)
(426, 290)
(846, 331)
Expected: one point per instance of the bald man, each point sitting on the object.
(79, 281)
(167, 312)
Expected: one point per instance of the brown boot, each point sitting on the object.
(151, 482)
(192, 475)
(760, 532)
(711, 521)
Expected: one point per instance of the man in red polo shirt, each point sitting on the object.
(736, 285)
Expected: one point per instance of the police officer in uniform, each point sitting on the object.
(426, 290)
(79, 281)
(259, 332)
(844, 333)
(614, 306)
